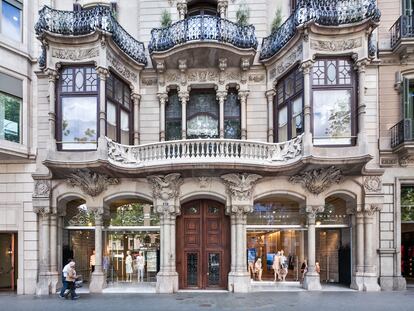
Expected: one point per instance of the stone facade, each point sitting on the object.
(38, 181)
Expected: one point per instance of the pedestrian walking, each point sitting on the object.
(64, 282)
(70, 279)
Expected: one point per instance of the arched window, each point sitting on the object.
(202, 8)
(232, 113)
(173, 117)
(118, 110)
(77, 109)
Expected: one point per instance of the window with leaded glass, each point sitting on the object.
(289, 106)
(333, 82)
(173, 117)
(118, 110)
(202, 114)
(232, 112)
(77, 109)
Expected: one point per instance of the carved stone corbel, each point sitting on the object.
(160, 68)
(245, 66)
(222, 67)
(166, 191)
(182, 66)
(371, 209)
(313, 210)
(318, 180)
(91, 183)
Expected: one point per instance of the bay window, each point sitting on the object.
(77, 109)
(333, 87)
(289, 106)
(118, 110)
(173, 117)
(232, 115)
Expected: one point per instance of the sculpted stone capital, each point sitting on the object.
(313, 210)
(136, 98)
(163, 97)
(184, 96)
(243, 95)
(318, 180)
(42, 210)
(372, 183)
(240, 188)
(42, 188)
(270, 94)
(221, 95)
(102, 72)
(91, 183)
(166, 191)
(306, 66)
(52, 75)
(371, 209)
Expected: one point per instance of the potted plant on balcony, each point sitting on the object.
(166, 38)
(243, 14)
(277, 20)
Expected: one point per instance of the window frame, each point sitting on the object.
(20, 127)
(18, 5)
(58, 107)
(119, 108)
(226, 118)
(287, 103)
(201, 8)
(171, 93)
(353, 87)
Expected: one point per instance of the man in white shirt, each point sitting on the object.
(65, 271)
(92, 261)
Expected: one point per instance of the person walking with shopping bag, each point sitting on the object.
(70, 279)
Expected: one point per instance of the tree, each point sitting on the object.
(277, 20)
(407, 203)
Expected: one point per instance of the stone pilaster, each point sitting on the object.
(166, 190)
(270, 122)
(53, 76)
(136, 98)
(184, 97)
(162, 97)
(103, 74)
(307, 107)
(361, 137)
(243, 104)
(358, 271)
(221, 97)
(239, 188)
(98, 282)
(370, 273)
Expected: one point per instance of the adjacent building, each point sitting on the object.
(221, 150)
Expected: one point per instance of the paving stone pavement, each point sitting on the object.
(309, 301)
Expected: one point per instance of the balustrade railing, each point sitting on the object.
(204, 150)
(202, 27)
(401, 132)
(323, 12)
(402, 28)
(76, 23)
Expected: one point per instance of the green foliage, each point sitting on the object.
(165, 19)
(128, 215)
(243, 14)
(407, 203)
(10, 106)
(277, 20)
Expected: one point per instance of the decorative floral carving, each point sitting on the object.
(285, 151)
(42, 188)
(121, 68)
(203, 76)
(42, 210)
(313, 210)
(371, 209)
(204, 182)
(287, 61)
(75, 54)
(149, 81)
(256, 78)
(334, 46)
(372, 183)
(91, 183)
(318, 180)
(166, 187)
(240, 186)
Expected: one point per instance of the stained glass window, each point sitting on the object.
(173, 117)
(202, 114)
(232, 111)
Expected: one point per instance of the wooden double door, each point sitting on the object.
(203, 245)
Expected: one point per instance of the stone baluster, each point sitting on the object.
(136, 98)
(184, 97)
(243, 103)
(270, 122)
(221, 97)
(53, 76)
(163, 97)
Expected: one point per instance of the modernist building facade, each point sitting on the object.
(206, 145)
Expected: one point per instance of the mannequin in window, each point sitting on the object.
(92, 260)
(283, 265)
(276, 266)
(258, 269)
(128, 267)
(140, 261)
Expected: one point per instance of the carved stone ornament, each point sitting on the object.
(166, 187)
(334, 46)
(372, 184)
(371, 209)
(204, 182)
(149, 81)
(91, 183)
(240, 186)
(318, 180)
(42, 210)
(283, 152)
(42, 188)
(313, 210)
(256, 78)
(287, 61)
(121, 68)
(75, 54)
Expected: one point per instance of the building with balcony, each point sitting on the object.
(203, 140)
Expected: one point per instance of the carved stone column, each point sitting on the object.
(184, 97)
(163, 97)
(103, 74)
(41, 206)
(312, 279)
(307, 110)
(361, 137)
(53, 76)
(54, 274)
(270, 122)
(136, 98)
(98, 282)
(222, 7)
(243, 103)
(240, 189)
(221, 96)
(370, 274)
(166, 190)
(182, 9)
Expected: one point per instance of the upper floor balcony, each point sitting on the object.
(402, 33)
(402, 138)
(189, 38)
(88, 21)
(324, 13)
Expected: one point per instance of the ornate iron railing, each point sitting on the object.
(204, 150)
(401, 132)
(202, 27)
(76, 23)
(323, 12)
(402, 28)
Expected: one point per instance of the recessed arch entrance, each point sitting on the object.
(203, 249)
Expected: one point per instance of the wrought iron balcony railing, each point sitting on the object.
(203, 151)
(76, 23)
(402, 28)
(323, 12)
(401, 132)
(202, 27)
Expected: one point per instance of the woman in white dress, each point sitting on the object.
(140, 266)
(128, 267)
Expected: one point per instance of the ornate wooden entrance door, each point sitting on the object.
(203, 245)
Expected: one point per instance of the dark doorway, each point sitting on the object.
(8, 261)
